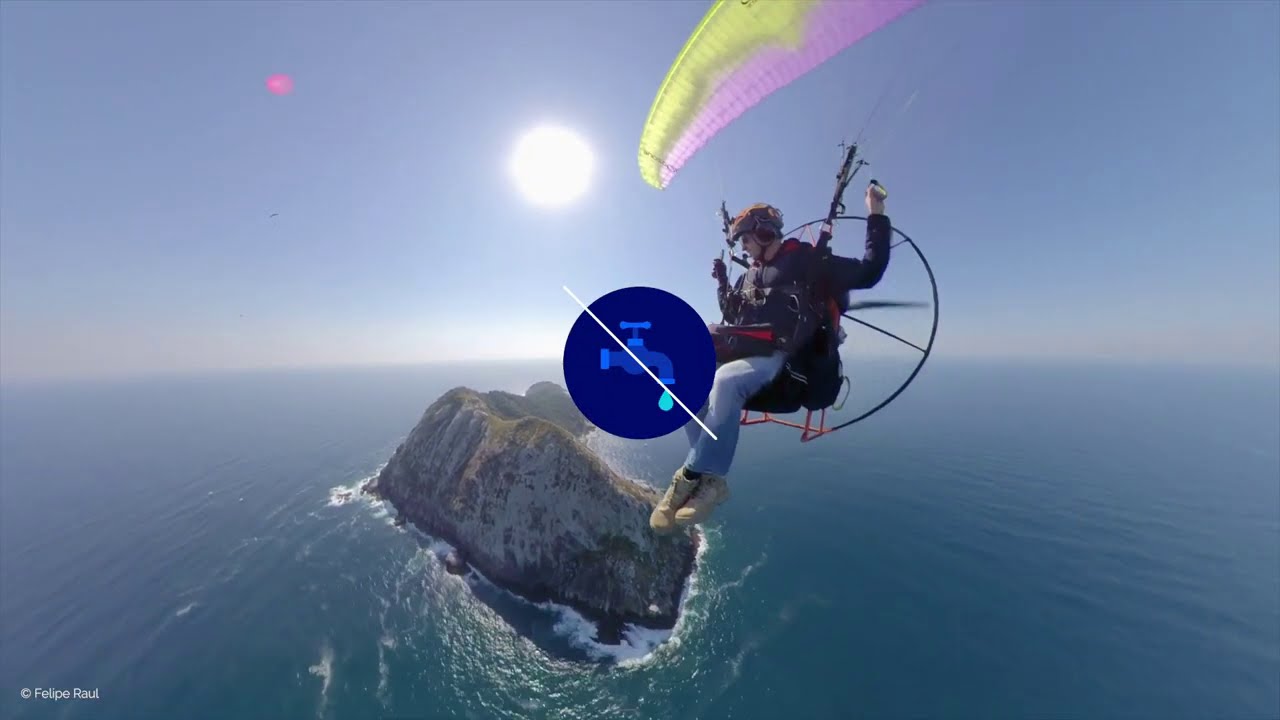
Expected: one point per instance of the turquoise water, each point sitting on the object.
(1003, 542)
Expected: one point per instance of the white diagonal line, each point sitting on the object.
(649, 372)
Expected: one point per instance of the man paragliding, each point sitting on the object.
(778, 348)
(783, 311)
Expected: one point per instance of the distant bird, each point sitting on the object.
(273, 215)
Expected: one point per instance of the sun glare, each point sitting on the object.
(552, 166)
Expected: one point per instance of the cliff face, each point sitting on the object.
(505, 480)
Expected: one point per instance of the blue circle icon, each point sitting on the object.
(666, 335)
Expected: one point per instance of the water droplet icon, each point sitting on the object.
(666, 402)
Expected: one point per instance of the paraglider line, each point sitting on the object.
(646, 369)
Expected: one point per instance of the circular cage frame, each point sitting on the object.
(810, 432)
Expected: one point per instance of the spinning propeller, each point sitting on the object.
(875, 304)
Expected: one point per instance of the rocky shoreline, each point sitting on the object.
(505, 480)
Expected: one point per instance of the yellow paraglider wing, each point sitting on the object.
(742, 51)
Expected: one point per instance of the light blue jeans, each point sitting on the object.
(734, 384)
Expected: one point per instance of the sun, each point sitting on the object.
(552, 166)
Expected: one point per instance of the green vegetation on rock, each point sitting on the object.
(545, 400)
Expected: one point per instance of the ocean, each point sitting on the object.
(1007, 540)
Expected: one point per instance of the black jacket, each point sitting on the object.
(793, 291)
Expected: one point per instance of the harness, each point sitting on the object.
(805, 307)
(813, 374)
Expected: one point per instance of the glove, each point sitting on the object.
(719, 271)
(875, 199)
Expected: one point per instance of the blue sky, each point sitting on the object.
(1087, 179)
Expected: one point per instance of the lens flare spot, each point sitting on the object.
(280, 84)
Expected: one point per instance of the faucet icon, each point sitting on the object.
(660, 363)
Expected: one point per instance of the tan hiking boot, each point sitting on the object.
(663, 518)
(711, 491)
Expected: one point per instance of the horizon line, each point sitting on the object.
(1027, 359)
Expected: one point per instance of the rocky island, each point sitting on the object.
(506, 480)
